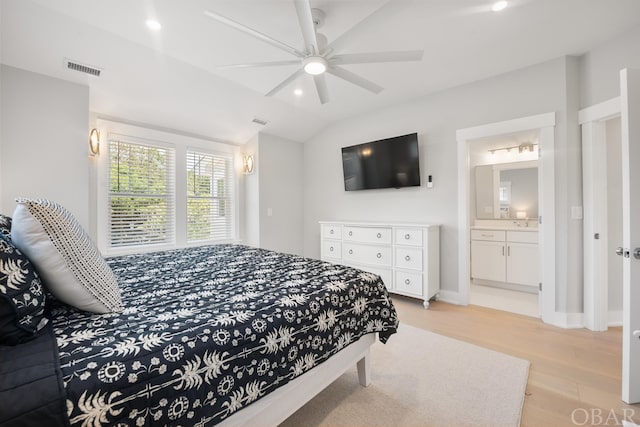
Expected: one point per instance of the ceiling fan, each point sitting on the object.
(317, 57)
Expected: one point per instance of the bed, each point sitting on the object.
(221, 334)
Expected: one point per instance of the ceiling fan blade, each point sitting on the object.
(355, 79)
(321, 87)
(259, 64)
(254, 33)
(376, 57)
(384, 12)
(285, 82)
(303, 9)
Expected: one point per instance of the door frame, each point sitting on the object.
(545, 124)
(594, 198)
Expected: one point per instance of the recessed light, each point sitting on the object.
(499, 5)
(154, 25)
(298, 92)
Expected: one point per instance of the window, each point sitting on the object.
(158, 190)
(141, 195)
(209, 196)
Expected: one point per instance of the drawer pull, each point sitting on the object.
(331, 249)
(407, 281)
(486, 235)
(379, 235)
(407, 236)
(350, 251)
(379, 255)
(407, 258)
(331, 231)
(351, 233)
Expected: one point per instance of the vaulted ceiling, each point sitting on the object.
(171, 77)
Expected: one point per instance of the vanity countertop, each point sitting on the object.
(504, 228)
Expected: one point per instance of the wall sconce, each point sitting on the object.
(94, 142)
(248, 164)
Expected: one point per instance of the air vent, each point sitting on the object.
(259, 121)
(74, 65)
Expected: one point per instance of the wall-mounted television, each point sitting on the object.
(386, 163)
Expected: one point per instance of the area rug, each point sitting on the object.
(424, 379)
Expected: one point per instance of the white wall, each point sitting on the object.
(281, 194)
(273, 194)
(537, 89)
(600, 68)
(44, 141)
(251, 233)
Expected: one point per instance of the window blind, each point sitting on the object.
(210, 196)
(141, 194)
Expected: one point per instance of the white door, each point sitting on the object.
(630, 249)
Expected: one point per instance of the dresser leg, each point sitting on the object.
(426, 304)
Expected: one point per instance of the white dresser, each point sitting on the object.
(405, 256)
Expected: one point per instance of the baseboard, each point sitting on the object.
(569, 320)
(615, 318)
(450, 297)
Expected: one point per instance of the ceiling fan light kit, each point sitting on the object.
(317, 57)
(314, 65)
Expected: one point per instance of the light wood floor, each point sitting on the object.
(571, 369)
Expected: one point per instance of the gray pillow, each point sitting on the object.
(66, 258)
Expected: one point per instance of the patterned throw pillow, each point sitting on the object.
(5, 225)
(71, 266)
(21, 296)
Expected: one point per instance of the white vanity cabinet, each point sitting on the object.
(405, 256)
(522, 258)
(505, 256)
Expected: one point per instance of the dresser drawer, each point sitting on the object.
(522, 236)
(331, 231)
(408, 258)
(367, 234)
(491, 235)
(409, 236)
(366, 254)
(410, 283)
(331, 249)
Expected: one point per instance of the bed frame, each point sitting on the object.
(277, 406)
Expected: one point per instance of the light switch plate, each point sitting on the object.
(576, 212)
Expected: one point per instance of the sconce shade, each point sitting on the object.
(248, 164)
(94, 142)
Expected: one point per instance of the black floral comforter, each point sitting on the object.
(208, 330)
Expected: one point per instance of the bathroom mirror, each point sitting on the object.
(507, 191)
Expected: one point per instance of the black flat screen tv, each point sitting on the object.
(386, 163)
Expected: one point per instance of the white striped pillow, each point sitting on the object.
(66, 258)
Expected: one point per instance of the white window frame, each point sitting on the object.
(232, 186)
(171, 193)
(112, 130)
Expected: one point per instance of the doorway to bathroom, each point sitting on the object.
(506, 248)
